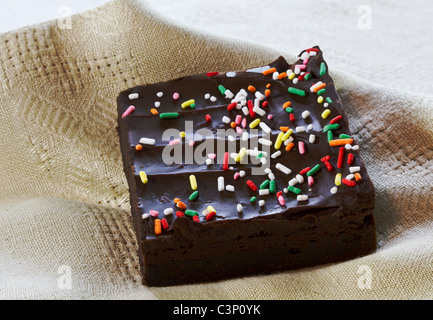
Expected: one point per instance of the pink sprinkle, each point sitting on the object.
(212, 156)
(301, 147)
(174, 142)
(128, 111)
(270, 117)
(239, 130)
(191, 143)
(301, 66)
(244, 122)
(281, 200)
(305, 61)
(154, 213)
(237, 175)
(176, 96)
(238, 119)
(310, 180)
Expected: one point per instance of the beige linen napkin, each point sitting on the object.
(65, 227)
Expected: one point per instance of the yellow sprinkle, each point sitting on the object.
(182, 134)
(326, 113)
(193, 182)
(287, 135)
(320, 99)
(255, 123)
(188, 103)
(243, 152)
(292, 76)
(211, 209)
(279, 140)
(338, 179)
(143, 177)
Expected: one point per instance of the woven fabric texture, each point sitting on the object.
(65, 225)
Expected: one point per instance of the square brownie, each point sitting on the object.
(244, 173)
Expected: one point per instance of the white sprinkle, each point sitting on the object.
(263, 160)
(207, 96)
(264, 192)
(157, 104)
(326, 105)
(231, 138)
(355, 147)
(305, 114)
(354, 169)
(261, 203)
(231, 74)
(348, 147)
(242, 173)
(297, 70)
(168, 211)
(305, 55)
(243, 92)
(300, 178)
(300, 129)
(285, 190)
(213, 99)
(283, 168)
(245, 136)
(275, 75)
(226, 119)
(246, 111)
(238, 106)
(310, 127)
(312, 138)
(133, 96)
(205, 212)
(160, 94)
(239, 208)
(230, 188)
(276, 155)
(334, 190)
(220, 184)
(265, 127)
(209, 162)
(257, 108)
(290, 140)
(145, 216)
(295, 80)
(315, 85)
(350, 176)
(271, 176)
(231, 168)
(265, 142)
(302, 197)
(259, 95)
(313, 53)
(229, 94)
(293, 182)
(147, 141)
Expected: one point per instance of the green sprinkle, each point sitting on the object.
(329, 100)
(193, 196)
(345, 136)
(289, 110)
(329, 127)
(307, 76)
(253, 199)
(192, 106)
(264, 185)
(294, 190)
(298, 92)
(322, 69)
(321, 92)
(191, 213)
(173, 115)
(313, 171)
(272, 187)
(222, 89)
(260, 155)
(330, 135)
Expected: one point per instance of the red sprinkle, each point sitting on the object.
(350, 158)
(180, 214)
(279, 193)
(304, 171)
(231, 106)
(312, 49)
(336, 119)
(329, 166)
(164, 224)
(208, 118)
(341, 157)
(265, 104)
(250, 108)
(327, 158)
(292, 117)
(211, 216)
(252, 185)
(212, 74)
(349, 183)
(196, 218)
(226, 161)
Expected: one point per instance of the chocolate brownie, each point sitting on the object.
(234, 174)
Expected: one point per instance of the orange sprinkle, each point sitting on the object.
(138, 147)
(358, 176)
(154, 111)
(282, 75)
(284, 129)
(251, 89)
(323, 85)
(181, 205)
(340, 142)
(158, 229)
(268, 85)
(233, 125)
(287, 104)
(267, 93)
(176, 200)
(290, 146)
(269, 71)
